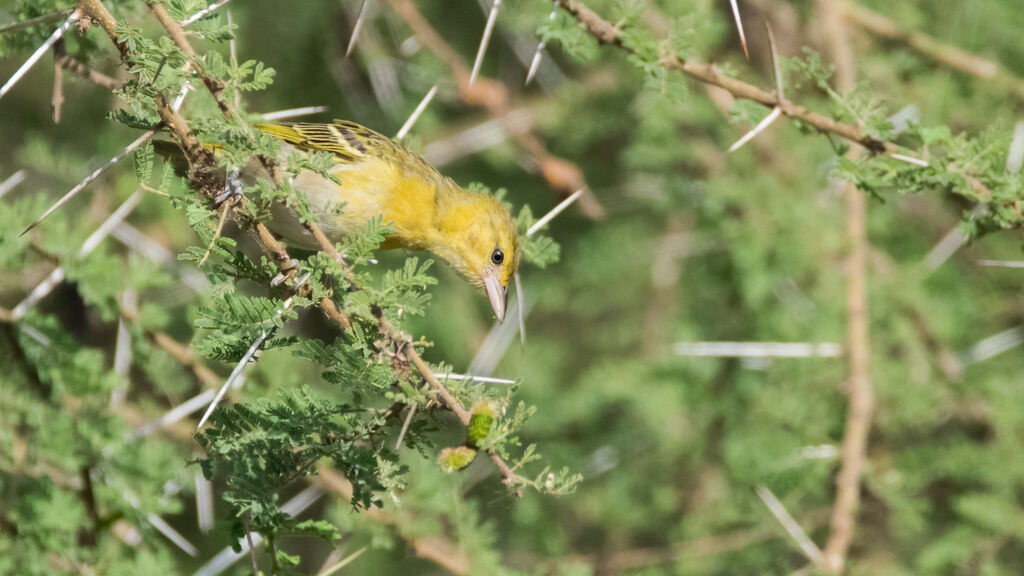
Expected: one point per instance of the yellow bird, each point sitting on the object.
(379, 177)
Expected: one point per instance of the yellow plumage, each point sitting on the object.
(428, 211)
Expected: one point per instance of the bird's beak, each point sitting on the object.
(497, 294)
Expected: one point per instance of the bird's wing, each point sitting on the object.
(348, 141)
(351, 143)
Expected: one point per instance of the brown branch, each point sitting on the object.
(859, 408)
(561, 175)
(177, 34)
(202, 176)
(607, 33)
(437, 549)
(944, 54)
(69, 63)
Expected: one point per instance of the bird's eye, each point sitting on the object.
(497, 256)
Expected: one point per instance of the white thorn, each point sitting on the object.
(248, 356)
(292, 113)
(356, 28)
(739, 27)
(776, 112)
(909, 159)
(173, 535)
(12, 181)
(488, 29)
(554, 212)
(204, 503)
(55, 277)
(91, 177)
(808, 547)
(202, 13)
(223, 560)
(1002, 263)
(344, 562)
(1015, 156)
(39, 52)
(535, 63)
(486, 379)
(759, 349)
(404, 130)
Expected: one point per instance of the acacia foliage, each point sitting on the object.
(697, 246)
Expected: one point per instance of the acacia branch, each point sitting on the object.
(71, 64)
(861, 398)
(202, 177)
(944, 54)
(561, 175)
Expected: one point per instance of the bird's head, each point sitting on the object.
(483, 244)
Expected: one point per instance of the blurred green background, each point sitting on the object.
(696, 245)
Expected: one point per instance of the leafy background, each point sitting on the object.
(696, 245)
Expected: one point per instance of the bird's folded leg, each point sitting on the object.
(233, 188)
(285, 273)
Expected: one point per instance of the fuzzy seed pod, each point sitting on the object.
(453, 459)
(480, 422)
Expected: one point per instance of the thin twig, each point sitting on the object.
(861, 396)
(67, 62)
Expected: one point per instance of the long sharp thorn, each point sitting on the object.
(535, 63)
(39, 52)
(356, 29)
(88, 179)
(488, 29)
(202, 13)
(554, 212)
(344, 562)
(404, 131)
(231, 378)
(739, 27)
(90, 244)
(775, 113)
(1001, 263)
(292, 113)
(11, 182)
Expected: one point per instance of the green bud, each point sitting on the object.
(480, 422)
(452, 459)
